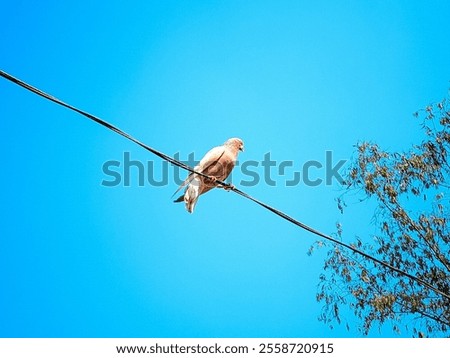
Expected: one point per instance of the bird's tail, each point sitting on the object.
(191, 196)
(183, 184)
(180, 199)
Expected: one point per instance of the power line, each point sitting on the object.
(219, 182)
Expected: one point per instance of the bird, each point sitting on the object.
(217, 164)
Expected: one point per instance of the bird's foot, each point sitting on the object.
(211, 180)
(229, 187)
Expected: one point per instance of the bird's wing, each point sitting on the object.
(209, 160)
(184, 183)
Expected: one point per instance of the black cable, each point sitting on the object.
(223, 184)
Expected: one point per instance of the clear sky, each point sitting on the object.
(291, 78)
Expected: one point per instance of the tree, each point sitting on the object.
(412, 219)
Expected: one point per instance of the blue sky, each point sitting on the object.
(293, 78)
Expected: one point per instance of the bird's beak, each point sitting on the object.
(241, 148)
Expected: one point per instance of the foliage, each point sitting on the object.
(411, 190)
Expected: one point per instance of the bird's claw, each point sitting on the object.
(229, 187)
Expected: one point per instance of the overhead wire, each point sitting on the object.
(221, 183)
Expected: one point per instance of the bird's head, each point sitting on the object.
(236, 143)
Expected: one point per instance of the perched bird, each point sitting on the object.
(218, 164)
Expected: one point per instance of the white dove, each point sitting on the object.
(218, 164)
